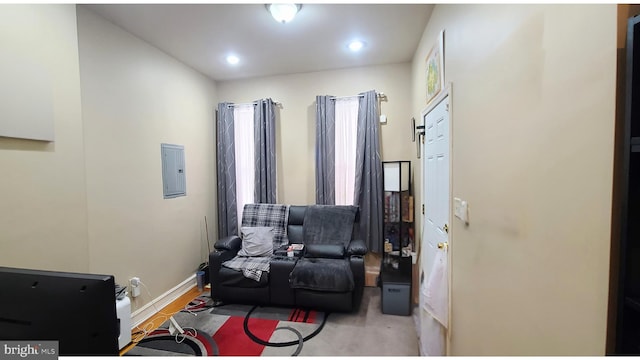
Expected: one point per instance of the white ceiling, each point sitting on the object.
(202, 35)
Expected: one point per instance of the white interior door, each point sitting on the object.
(435, 220)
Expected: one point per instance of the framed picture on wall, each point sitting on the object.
(435, 68)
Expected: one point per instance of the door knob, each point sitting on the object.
(445, 228)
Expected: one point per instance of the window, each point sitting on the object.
(346, 130)
(244, 151)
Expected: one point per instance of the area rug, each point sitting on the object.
(227, 331)
(161, 343)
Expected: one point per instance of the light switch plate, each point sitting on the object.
(457, 204)
(461, 209)
(465, 212)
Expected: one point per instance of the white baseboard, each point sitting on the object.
(148, 310)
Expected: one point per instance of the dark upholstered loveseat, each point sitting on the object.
(279, 286)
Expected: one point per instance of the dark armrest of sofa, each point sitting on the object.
(357, 247)
(226, 248)
(232, 243)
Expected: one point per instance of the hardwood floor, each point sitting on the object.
(156, 320)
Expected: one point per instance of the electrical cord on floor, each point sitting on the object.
(144, 332)
(196, 305)
(186, 333)
(151, 326)
(278, 344)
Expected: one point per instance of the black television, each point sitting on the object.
(78, 310)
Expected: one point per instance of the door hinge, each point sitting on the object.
(422, 209)
(447, 107)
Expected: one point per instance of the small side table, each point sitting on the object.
(395, 281)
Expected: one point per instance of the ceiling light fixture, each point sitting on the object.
(283, 13)
(232, 59)
(356, 45)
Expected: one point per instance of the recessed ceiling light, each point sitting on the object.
(283, 13)
(232, 59)
(356, 45)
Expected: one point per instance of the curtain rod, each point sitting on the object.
(277, 103)
(380, 96)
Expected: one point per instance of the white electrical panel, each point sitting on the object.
(173, 171)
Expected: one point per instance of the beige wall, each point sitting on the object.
(533, 110)
(296, 121)
(134, 97)
(43, 220)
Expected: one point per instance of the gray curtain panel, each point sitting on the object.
(325, 150)
(265, 151)
(368, 192)
(226, 171)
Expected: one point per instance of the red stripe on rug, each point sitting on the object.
(304, 316)
(232, 340)
(293, 316)
(311, 317)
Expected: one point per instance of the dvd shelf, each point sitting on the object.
(398, 207)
